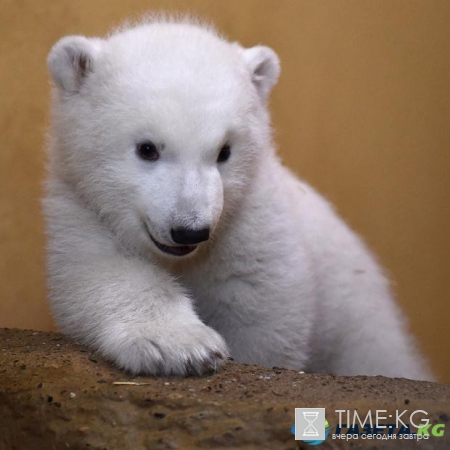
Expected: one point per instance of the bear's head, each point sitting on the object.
(160, 129)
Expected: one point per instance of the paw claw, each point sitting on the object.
(218, 354)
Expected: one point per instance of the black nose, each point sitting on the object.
(188, 236)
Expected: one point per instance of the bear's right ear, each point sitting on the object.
(71, 60)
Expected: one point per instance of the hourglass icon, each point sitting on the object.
(310, 417)
(309, 424)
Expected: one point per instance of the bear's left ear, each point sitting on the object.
(264, 66)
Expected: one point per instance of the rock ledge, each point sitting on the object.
(55, 394)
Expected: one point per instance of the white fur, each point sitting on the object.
(281, 282)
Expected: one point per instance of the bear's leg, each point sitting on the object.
(377, 343)
(128, 309)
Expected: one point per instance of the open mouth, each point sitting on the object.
(175, 250)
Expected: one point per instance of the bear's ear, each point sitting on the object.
(71, 60)
(264, 66)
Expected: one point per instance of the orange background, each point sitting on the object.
(361, 111)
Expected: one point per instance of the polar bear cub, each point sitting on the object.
(176, 238)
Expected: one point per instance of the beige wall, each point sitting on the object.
(361, 112)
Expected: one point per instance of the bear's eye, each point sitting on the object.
(224, 153)
(148, 151)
